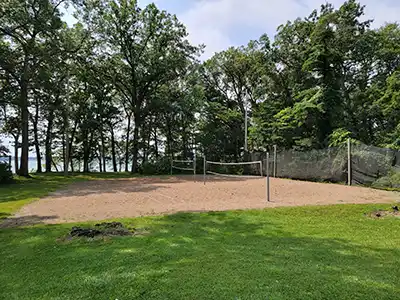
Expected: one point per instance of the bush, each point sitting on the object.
(6, 175)
(391, 181)
(158, 167)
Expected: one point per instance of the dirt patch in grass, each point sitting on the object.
(101, 230)
(378, 214)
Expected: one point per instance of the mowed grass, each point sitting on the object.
(332, 252)
(23, 191)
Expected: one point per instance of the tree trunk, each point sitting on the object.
(35, 121)
(54, 164)
(16, 138)
(100, 161)
(71, 140)
(63, 152)
(169, 140)
(23, 170)
(86, 153)
(102, 153)
(114, 159)
(155, 142)
(72, 164)
(135, 148)
(48, 141)
(135, 143)
(127, 143)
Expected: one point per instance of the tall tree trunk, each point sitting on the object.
(16, 138)
(128, 130)
(23, 170)
(100, 161)
(71, 140)
(86, 153)
(114, 159)
(135, 142)
(71, 164)
(35, 120)
(155, 142)
(54, 164)
(135, 148)
(148, 141)
(103, 155)
(63, 152)
(48, 141)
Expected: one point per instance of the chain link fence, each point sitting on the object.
(369, 164)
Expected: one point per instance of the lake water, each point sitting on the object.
(32, 166)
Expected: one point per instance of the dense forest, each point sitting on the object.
(125, 86)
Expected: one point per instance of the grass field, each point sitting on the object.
(325, 252)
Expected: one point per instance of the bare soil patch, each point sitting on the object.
(133, 197)
(378, 214)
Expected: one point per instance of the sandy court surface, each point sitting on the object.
(118, 198)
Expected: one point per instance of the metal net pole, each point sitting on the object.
(267, 179)
(275, 157)
(204, 169)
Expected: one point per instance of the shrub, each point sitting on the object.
(5, 173)
(391, 181)
(158, 167)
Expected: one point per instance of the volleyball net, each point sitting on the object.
(238, 169)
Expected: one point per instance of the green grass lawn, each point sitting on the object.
(23, 191)
(332, 252)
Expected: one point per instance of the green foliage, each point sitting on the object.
(157, 167)
(392, 181)
(339, 137)
(6, 175)
(124, 84)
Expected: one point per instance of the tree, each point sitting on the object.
(25, 28)
(147, 47)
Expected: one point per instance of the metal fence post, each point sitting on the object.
(349, 162)
(204, 169)
(267, 178)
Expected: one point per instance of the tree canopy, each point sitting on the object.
(124, 87)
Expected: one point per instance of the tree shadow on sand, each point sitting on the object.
(136, 184)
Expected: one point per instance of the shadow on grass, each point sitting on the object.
(218, 255)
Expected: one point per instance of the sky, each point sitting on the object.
(220, 24)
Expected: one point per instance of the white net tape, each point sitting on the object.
(184, 165)
(182, 169)
(183, 161)
(257, 163)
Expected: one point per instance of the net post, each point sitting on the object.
(204, 169)
(261, 168)
(172, 162)
(275, 164)
(194, 167)
(349, 161)
(267, 179)
(245, 128)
